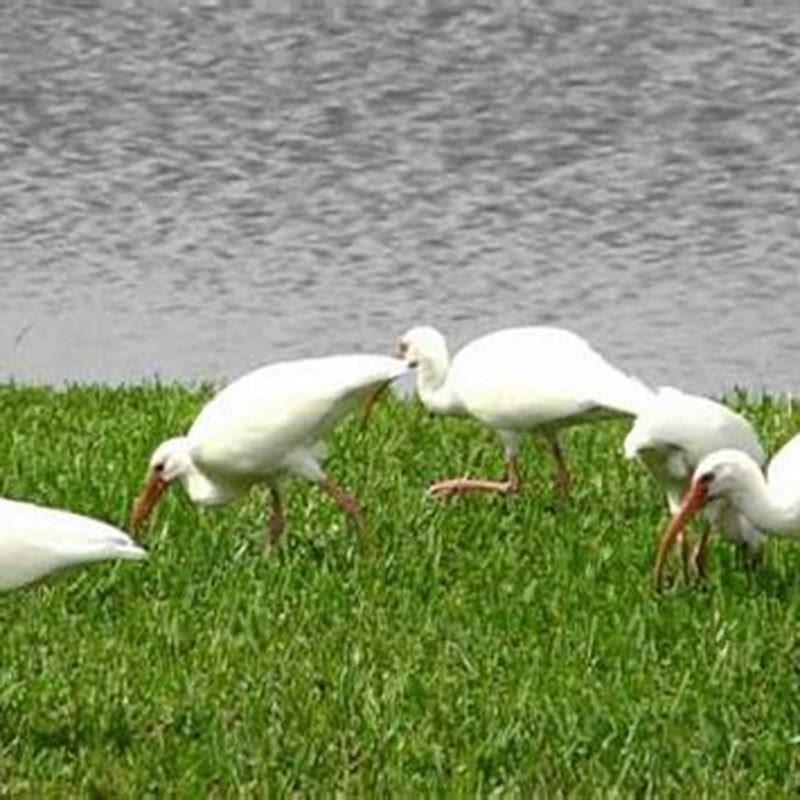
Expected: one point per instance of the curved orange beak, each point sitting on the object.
(148, 499)
(693, 501)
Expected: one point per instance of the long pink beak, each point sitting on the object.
(148, 499)
(693, 501)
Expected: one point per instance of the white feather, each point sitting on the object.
(675, 433)
(273, 420)
(523, 378)
(35, 541)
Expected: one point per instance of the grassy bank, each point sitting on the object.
(481, 645)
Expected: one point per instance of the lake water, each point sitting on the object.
(189, 189)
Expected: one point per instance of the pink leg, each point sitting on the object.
(563, 479)
(692, 558)
(463, 485)
(372, 401)
(750, 559)
(700, 555)
(345, 501)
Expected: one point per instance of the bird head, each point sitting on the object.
(169, 461)
(422, 343)
(723, 473)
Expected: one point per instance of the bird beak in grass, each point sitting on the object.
(695, 499)
(372, 400)
(145, 503)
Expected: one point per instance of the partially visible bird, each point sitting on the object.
(35, 541)
(731, 476)
(263, 427)
(516, 381)
(671, 437)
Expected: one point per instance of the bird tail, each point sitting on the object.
(649, 422)
(627, 395)
(635, 440)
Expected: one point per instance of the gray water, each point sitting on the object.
(190, 189)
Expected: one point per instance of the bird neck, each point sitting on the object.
(201, 486)
(433, 386)
(765, 508)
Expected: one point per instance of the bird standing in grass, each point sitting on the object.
(734, 477)
(517, 381)
(671, 437)
(35, 541)
(263, 427)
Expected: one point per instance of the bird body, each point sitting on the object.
(672, 437)
(519, 380)
(267, 424)
(783, 485)
(673, 434)
(273, 419)
(35, 541)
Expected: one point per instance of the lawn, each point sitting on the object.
(470, 647)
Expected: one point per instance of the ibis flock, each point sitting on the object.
(271, 424)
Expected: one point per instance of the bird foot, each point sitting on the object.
(563, 483)
(447, 488)
(274, 532)
(352, 508)
(463, 485)
(357, 519)
(750, 558)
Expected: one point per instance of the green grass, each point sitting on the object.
(480, 646)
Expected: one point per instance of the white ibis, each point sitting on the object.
(265, 426)
(35, 541)
(671, 437)
(770, 504)
(515, 381)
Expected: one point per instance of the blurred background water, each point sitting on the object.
(189, 189)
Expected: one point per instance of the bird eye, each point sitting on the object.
(159, 467)
(706, 478)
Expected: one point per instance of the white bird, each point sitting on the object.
(516, 381)
(267, 425)
(35, 541)
(770, 504)
(671, 437)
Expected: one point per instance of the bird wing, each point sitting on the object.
(527, 377)
(252, 424)
(783, 472)
(35, 541)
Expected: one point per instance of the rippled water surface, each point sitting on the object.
(190, 189)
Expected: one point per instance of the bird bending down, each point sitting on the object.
(265, 426)
(516, 381)
(35, 541)
(670, 438)
(769, 504)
